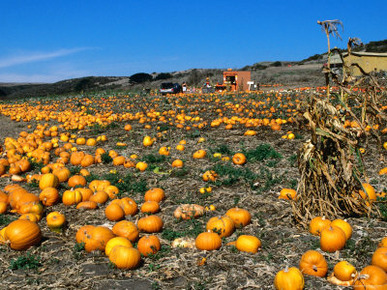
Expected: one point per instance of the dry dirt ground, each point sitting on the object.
(62, 265)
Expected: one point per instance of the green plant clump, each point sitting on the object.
(28, 261)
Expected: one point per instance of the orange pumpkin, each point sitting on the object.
(148, 245)
(23, 234)
(208, 241)
(150, 224)
(240, 217)
(150, 207)
(223, 226)
(126, 229)
(114, 212)
(332, 239)
(371, 277)
(49, 196)
(313, 263)
(154, 194)
(125, 257)
(317, 224)
(379, 258)
(239, 159)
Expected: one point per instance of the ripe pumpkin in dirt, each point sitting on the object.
(55, 221)
(332, 239)
(63, 174)
(317, 224)
(156, 194)
(126, 229)
(224, 226)
(178, 163)
(128, 205)
(313, 263)
(289, 279)
(149, 245)
(188, 211)
(371, 277)
(150, 206)
(344, 271)
(240, 216)
(199, 154)
(87, 205)
(239, 159)
(114, 212)
(82, 233)
(71, 197)
(23, 234)
(49, 196)
(125, 257)
(117, 241)
(77, 180)
(141, 166)
(344, 225)
(288, 193)
(150, 224)
(209, 175)
(48, 180)
(97, 238)
(208, 241)
(379, 258)
(248, 243)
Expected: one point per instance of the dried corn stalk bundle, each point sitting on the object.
(330, 173)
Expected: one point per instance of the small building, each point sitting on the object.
(237, 80)
(368, 61)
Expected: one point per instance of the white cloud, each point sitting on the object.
(33, 57)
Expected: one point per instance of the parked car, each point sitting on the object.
(170, 88)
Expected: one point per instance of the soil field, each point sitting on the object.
(57, 262)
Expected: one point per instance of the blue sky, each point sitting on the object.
(48, 41)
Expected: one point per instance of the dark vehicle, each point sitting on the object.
(170, 88)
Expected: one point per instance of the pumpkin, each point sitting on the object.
(155, 194)
(344, 271)
(99, 197)
(239, 216)
(369, 192)
(332, 239)
(114, 212)
(48, 180)
(119, 160)
(55, 221)
(148, 245)
(224, 226)
(287, 193)
(371, 277)
(209, 175)
(188, 211)
(208, 241)
(125, 257)
(379, 258)
(150, 207)
(23, 234)
(126, 229)
(87, 160)
(71, 197)
(77, 180)
(344, 225)
(289, 279)
(317, 224)
(117, 241)
(313, 263)
(148, 141)
(86, 193)
(33, 217)
(247, 243)
(87, 205)
(239, 159)
(150, 224)
(63, 174)
(97, 238)
(199, 154)
(128, 205)
(141, 166)
(49, 196)
(3, 207)
(76, 157)
(178, 163)
(112, 191)
(82, 233)
(128, 127)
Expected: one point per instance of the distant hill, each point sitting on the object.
(306, 72)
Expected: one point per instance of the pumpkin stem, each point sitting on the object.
(314, 267)
(286, 270)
